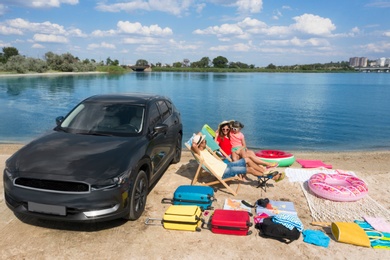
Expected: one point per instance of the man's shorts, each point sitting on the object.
(234, 169)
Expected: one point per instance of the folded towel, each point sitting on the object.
(289, 221)
(316, 237)
(378, 223)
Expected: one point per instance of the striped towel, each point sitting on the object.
(378, 239)
(289, 221)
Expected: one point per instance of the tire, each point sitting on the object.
(177, 155)
(138, 196)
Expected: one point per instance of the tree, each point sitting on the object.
(142, 62)
(220, 62)
(177, 64)
(9, 52)
(271, 66)
(108, 61)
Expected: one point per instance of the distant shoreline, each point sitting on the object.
(50, 74)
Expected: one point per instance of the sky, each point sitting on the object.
(258, 32)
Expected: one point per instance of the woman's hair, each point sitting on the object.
(220, 132)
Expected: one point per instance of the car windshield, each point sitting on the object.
(103, 118)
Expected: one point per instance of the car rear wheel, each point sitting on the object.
(177, 155)
(138, 196)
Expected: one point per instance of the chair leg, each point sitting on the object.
(195, 179)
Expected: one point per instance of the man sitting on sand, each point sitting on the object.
(231, 169)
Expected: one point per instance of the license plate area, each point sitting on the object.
(46, 209)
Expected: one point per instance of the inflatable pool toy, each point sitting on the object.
(338, 187)
(282, 158)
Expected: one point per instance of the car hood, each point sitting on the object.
(74, 157)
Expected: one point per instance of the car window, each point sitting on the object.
(170, 108)
(164, 110)
(105, 118)
(154, 115)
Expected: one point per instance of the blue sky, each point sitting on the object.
(258, 32)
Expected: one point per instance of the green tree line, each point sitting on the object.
(12, 62)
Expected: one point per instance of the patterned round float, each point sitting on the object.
(338, 187)
(282, 158)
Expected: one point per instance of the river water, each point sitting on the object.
(286, 111)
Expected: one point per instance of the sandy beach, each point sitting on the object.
(25, 238)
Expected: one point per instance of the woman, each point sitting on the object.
(223, 138)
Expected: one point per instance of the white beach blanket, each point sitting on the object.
(323, 210)
(302, 175)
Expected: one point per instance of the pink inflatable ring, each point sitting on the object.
(338, 187)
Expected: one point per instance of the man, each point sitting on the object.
(231, 169)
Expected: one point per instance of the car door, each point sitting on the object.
(158, 145)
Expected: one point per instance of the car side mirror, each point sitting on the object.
(59, 120)
(160, 128)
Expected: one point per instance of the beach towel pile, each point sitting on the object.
(375, 229)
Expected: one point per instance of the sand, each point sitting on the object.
(25, 238)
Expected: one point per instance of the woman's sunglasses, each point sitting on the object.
(225, 129)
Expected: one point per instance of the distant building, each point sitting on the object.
(358, 61)
(363, 62)
(387, 62)
(380, 62)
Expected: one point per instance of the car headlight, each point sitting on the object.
(9, 174)
(111, 183)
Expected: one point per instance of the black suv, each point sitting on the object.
(99, 162)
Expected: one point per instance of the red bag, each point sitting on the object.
(231, 222)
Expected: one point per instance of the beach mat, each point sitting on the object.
(323, 210)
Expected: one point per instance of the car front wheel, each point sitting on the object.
(138, 196)
(177, 155)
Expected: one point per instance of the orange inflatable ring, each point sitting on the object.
(338, 187)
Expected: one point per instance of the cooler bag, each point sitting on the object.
(231, 222)
(182, 217)
(202, 196)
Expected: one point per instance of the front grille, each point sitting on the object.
(52, 185)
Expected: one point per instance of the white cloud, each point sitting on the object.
(102, 45)
(224, 29)
(37, 46)
(99, 33)
(42, 3)
(50, 38)
(76, 32)
(386, 34)
(3, 9)
(2, 44)
(220, 48)
(175, 7)
(239, 47)
(251, 6)
(313, 24)
(143, 40)
(45, 27)
(249, 22)
(6, 30)
(298, 42)
(378, 47)
(182, 45)
(137, 28)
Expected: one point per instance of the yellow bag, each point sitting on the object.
(350, 233)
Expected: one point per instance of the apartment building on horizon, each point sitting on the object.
(363, 62)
